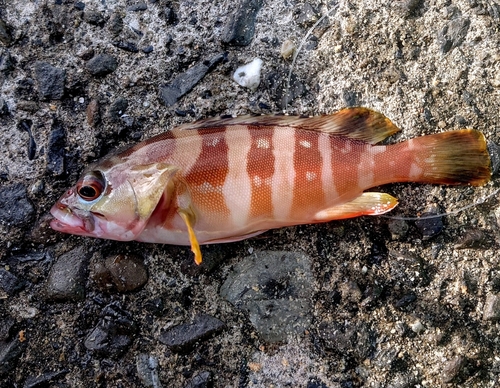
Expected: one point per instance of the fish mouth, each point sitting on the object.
(67, 222)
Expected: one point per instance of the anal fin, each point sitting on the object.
(366, 204)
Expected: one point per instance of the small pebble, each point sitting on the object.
(117, 108)
(147, 370)
(5, 33)
(15, 207)
(56, 149)
(94, 17)
(131, 47)
(10, 351)
(473, 238)
(185, 82)
(452, 369)
(121, 272)
(138, 7)
(248, 75)
(44, 380)
(9, 283)
(114, 332)
(287, 49)
(417, 326)
(102, 65)
(67, 277)
(182, 337)
(491, 310)
(240, 26)
(430, 224)
(4, 109)
(50, 81)
(201, 380)
(92, 112)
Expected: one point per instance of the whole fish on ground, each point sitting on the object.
(227, 179)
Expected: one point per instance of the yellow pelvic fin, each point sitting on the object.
(188, 218)
(366, 204)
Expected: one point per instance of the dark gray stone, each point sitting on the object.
(131, 47)
(94, 17)
(147, 370)
(138, 7)
(183, 83)
(6, 327)
(275, 288)
(201, 380)
(117, 108)
(398, 228)
(115, 24)
(453, 34)
(315, 383)
(4, 109)
(55, 149)
(405, 301)
(15, 207)
(472, 238)
(66, 280)
(10, 351)
(306, 15)
(491, 311)
(5, 33)
(50, 81)
(452, 369)
(121, 272)
(358, 340)
(25, 125)
(6, 62)
(241, 24)
(101, 65)
(169, 15)
(9, 282)
(114, 332)
(281, 93)
(410, 8)
(44, 380)
(351, 98)
(181, 338)
(430, 223)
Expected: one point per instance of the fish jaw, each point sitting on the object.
(67, 221)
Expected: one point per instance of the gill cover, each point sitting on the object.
(129, 202)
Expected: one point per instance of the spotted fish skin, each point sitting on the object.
(229, 179)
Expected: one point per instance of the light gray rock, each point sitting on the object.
(275, 289)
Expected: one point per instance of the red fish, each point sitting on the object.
(222, 180)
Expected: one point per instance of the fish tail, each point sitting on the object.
(452, 158)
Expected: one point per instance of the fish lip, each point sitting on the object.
(66, 221)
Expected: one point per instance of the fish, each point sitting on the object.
(226, 179)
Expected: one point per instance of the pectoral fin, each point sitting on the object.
(366, 204)
(189, 219)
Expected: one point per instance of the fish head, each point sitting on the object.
(113, 203)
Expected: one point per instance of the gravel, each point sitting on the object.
(386, 303)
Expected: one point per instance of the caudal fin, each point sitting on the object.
(452, 158)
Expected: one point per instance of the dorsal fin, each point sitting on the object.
(355, 123)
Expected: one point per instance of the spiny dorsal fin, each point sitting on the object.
(355, 123)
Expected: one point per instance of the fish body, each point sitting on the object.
(229, 179)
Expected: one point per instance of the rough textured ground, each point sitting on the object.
(387, 306)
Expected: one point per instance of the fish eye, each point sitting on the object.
(91, 186)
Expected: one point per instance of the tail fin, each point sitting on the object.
(453, 158)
